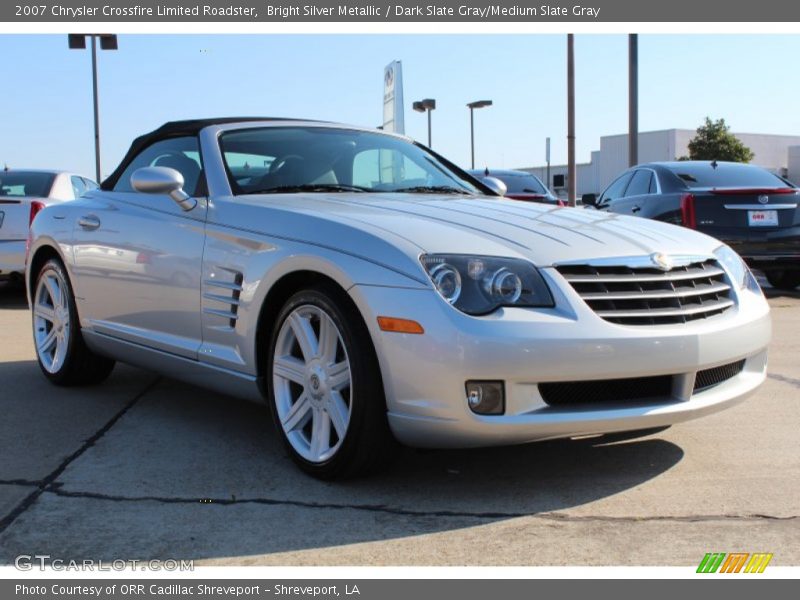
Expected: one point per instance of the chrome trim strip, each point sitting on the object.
(648, 313)
(760, 206)
(633, 278)
(637, 262)
(226, 314)
(224, 299)
(658, 295)
(223, 284)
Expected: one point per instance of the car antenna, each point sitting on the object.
(5, 167)
(714, 164)
(486, 172)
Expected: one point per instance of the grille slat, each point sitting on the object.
(648, 296)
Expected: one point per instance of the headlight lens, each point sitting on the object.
(478, 285)
(737, 269)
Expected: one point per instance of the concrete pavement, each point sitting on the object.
(145, 467)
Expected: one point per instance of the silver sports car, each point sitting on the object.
(372, 292)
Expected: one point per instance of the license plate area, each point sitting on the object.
(762, 218)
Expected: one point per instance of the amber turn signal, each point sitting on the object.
(399, 325)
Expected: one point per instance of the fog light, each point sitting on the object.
(486, 397)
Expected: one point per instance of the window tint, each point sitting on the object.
(25, 183)
(78, 186)
(181, 154)
(653, 184)
(705, 174)
(375, 167)
(640, 183)
(522, 184)
(616, 189)
(282, 159)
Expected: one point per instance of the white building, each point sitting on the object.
(778, 153)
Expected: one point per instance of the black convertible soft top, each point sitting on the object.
(174, 129)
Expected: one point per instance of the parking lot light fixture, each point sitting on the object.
(426, 105)
(472, 106)
(108, 41)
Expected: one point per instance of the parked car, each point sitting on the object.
(520, 185)
(750, 209)
(23, 193)
(370, 291)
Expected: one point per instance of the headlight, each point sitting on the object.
(478, 285)
(739, 272)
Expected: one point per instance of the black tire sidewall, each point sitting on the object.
(367, 400)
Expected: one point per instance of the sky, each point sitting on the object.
(46, 90)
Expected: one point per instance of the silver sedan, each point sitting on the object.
(371, 292)
(23, 193)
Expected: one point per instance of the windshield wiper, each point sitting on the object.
(431, 189)
(309, 187)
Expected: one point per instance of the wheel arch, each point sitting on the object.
(279, 292)
(36, 261)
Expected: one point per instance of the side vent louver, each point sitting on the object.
(224, 289)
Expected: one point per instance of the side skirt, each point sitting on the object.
(191, 371)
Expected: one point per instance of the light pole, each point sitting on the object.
(472, 106)
(633, 100)
(426, 105)
(77, 41)
(571, 168)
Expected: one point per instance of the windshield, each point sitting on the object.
(321, 159)
(725, 175)
(25, 183)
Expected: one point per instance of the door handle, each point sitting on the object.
(89, 222)
(636, 209)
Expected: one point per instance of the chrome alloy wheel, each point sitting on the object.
(51, 322)
(312, 383)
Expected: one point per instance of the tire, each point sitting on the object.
(60, 349)
(784, 280)
(324, 386)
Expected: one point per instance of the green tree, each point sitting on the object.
(714, 141)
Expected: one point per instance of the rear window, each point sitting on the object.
(725, 175)
(25, 183)
(522, 184)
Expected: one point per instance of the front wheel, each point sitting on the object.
(326, 392)
(784, 280)
(62, 354)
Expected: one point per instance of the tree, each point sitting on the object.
(714, 141)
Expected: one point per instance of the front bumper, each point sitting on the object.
(12, 257)
(424, 375)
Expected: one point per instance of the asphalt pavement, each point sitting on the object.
(144, 467)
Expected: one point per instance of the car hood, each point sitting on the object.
(543, 234)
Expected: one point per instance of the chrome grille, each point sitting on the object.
(650, 296)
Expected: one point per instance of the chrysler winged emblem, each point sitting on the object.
(661, 261)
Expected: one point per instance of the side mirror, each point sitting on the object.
(162, 180)
(589, 200)
(494, 184)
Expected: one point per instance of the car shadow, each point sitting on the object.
(12, 295)
(199, 475)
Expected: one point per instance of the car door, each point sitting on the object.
(636, 192)
(138, 257)
(614, 193)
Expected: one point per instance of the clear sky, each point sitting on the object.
(46, 102)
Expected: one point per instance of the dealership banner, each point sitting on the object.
(399, 11)
(380, 589)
